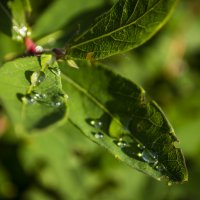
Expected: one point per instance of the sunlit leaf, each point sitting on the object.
(128, 24)
(31, 106)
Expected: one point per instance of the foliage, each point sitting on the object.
(46, 105)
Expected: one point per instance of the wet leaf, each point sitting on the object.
(115, 113)
(128, 24)
(29, 105)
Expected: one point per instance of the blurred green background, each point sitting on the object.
(60, 163)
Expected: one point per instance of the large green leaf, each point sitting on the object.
(115, 113)
(31, 106)
(107, 108)
(128, 24)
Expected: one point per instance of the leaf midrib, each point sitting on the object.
(84, 91)
(116, 30)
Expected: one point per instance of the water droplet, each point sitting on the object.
(158, 167)
(140, 146)
(121, 143)
(98, 135)
(28, 99)
(37, 78)
(96, 124)
(139, 154)
(33, 97)
(38, 97)
(57, 101)
(149, 156)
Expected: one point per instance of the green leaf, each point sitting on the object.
(115, 113)
(107, 108)
(35, 105)
(128, 24)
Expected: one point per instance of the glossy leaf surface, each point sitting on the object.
(128, 24)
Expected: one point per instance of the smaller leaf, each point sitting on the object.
(32, 98)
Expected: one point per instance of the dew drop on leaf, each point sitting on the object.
(140, 146)
(38, 97)
(56, 103)
(149, 156)
(37, 78)
(58, 100)
(96, 123)
(98, 135)
(139, 154)
(28, 99)
(121, 143)
(158, 167)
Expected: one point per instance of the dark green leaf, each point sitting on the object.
(29, 106)
(115, 113)
(128, 24)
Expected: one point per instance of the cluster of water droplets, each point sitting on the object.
(37, 78)
(33, 96)
(129, 145)
(97, 124)
(121, 143)
(45, 99)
